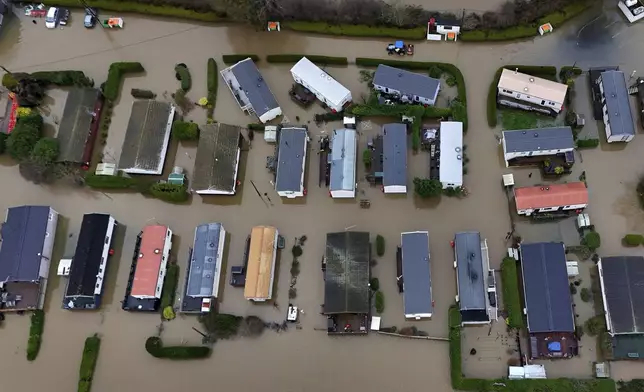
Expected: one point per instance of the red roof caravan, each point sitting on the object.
(548, 198)
(154, 250)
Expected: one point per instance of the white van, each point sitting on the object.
(51, 20)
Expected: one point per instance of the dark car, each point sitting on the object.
(90, 17)
(64, 16)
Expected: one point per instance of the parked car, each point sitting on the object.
(64, 16)
(51, 20)
(90, 18)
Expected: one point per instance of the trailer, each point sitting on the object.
(328, 90)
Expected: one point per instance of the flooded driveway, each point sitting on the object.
(299, 360)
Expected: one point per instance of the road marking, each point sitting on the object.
(587, 24)
(610, 24)
(617, 34)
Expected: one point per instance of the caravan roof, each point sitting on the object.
(261, 263)
(320, 81)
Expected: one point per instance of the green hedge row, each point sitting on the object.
(154, 346)
(461, 383)
(171, 193)
(565, 70)
(183, 74)
(185, 131)
(235, 58)
(633, 240)
(294, 58)
(329, 116)
(529, 30)
(256, 127)
(115, 77)
(544, 71)
(88, 363)
(63, 78)
(417, 33)
(212, 83)
(511, 293)
(398, 110)
(145, 9)
(118, 181)
(35, 334)
(587, 143)
(458, 106)
(170, 283)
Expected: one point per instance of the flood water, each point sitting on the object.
(298, 360)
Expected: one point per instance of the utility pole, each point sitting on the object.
(91, 11)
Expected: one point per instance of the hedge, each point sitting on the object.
(63, 78)
(154, 346)
(575, 71)
(398, 110)
(183, 74)
(185, 131)
(380, 302)
(170, 283)
(459, 106)
(633, 240)
(328, 116)
(380, 243)
(172, 193)
(109, 182)
(235, 58)
(115, 77)
(587, 143)
(511, 293)
(529, 30)
(88, 363)
(212, 84)
(140, 8)
(460, 383)
(35, 334)
(142, 94)
(256, 127)
(417, 33)
(548, 72)
(294, 58)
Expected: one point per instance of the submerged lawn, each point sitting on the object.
(512, 119)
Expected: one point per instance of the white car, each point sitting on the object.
(51, 20)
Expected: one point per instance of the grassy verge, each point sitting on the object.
(511, 294)
(230, 59)
(146, 9)
(461, 383)
(458, 106)
(154, 346)
(546, 72)
(528, 30)
(88, 363)
(512, 119)
(294, 58)
(417, 33)
(169, 286)
(35, 334)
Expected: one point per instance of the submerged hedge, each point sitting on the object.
(170, 283)
(294, 58)
(212, 82)
(115, 77)
(417, 33)
(88, 363)
(35, 334)
(528, 30)
(154, 346)
(235, 58)
(511, 293)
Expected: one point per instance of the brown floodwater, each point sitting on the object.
(298, 360)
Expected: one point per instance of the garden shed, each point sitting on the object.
(147, 137)
(217, 160)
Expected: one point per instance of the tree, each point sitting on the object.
(380, 245)
(22, 141)
(559, 170)
(185, 131)
(380, 302)
(366, 157)
(585, 294)
(592, 240)
(45, 152)
(374, 284)
(427, 188)
(29, 92)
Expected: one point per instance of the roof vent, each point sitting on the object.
(457, 149)
(536, 134)
(260, 79)
(157, 251)
(525, 89)
(531, 80)
(613, 95)
(210, 259)
(140, 255)
(211, 245)
(543, 189)
(524, 132)
(547, 188)
(459, 157)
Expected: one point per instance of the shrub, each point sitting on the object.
(212, 84)
(45, 152)
(380, 302)
(594, 326)
(33, 120)
(567, 71)
(235, 58)
(511, 294)
(9, 81)
(380, 245)
(119, 181)
(592, 240)
(356, 30)
(35, 334)
(435, 72)
(633, 240)
(256, 127)
(296, 251)
(294, 58)
(398, 110)
(172, 193)
(221, 325)
(374, 284)
(367, 156)
(115, 75)
(427, 188)
(585, 294)
(168, 313)
(169, 286)
(142, 94)
(450, 81)
(63, 78)
(587, 143)
(183, 74)
(185, 131)
(154, 346)
(22, 140)
(88, 363)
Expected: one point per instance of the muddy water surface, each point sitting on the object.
(300, 360)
